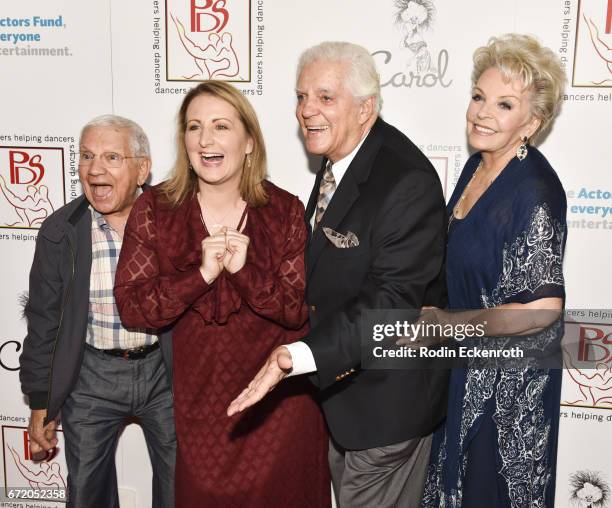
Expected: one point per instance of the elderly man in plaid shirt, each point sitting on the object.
(77, 357)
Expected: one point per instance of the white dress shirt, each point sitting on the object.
(301, 355)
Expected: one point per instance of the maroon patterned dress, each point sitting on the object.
(275, 454)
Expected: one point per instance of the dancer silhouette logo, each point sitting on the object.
(20, 472)
(31, 185)
(587, 355)
(208, 39)
(593, 51)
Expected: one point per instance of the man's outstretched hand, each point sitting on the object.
(276, 368)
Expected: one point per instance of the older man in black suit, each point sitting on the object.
(378, 219)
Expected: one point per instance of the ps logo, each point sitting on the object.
(24, 168)
(208, 39)
(587, 354)
(594, 343)
(218, 15)
(47, 456)
(31, 185)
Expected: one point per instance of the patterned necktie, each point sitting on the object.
(326, 191)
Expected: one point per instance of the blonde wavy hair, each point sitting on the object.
(183, 181)
(523, 58)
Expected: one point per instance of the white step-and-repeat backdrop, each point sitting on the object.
(66, 61)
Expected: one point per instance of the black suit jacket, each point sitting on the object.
(391, 198)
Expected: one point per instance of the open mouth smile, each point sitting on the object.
(483, 130)
(211, 157)
(101, 191)
(317, 128)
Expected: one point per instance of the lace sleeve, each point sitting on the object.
(532, 265)
(146, 298)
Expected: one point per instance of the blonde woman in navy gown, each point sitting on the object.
(507, 233)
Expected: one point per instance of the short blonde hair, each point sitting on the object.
(523, 58)
(183, 181)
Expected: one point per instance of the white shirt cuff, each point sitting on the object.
(301, 356)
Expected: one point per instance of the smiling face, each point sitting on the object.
(111, 191)
(333, 122)
(216, 141)
(499, 114)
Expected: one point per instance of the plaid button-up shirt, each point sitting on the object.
(104, 330)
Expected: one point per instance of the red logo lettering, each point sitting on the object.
(26, 445)
(213, 21)
(49, 455)
(593, 345)
(25, 170)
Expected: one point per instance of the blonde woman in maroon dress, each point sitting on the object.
(217, 252)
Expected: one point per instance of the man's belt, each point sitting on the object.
(135, 353)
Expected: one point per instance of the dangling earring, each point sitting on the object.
(190, 167)
(248, 160)
(521, 151)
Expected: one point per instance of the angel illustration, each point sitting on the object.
(414, 17)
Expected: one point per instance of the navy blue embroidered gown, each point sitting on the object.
(497, 448)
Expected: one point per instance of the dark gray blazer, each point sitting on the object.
(58, 307)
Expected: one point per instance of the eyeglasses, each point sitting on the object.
(109, 159)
